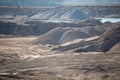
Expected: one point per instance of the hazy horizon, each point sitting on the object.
(57, 2)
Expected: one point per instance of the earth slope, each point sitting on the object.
(110, 37)
(106, 41)
(115, 48)
(62, 35)
(58, 14)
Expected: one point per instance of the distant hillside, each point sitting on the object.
(73, 13)
(57, 14)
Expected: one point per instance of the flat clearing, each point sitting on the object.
(19, 59)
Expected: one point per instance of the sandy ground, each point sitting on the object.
(20, 60)
(22, 47)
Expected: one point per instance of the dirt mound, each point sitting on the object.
(64, 14)
(73, 14)
(9, 28)
(72, 35)
(61, 35)
(52, 37)
(107, 40)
